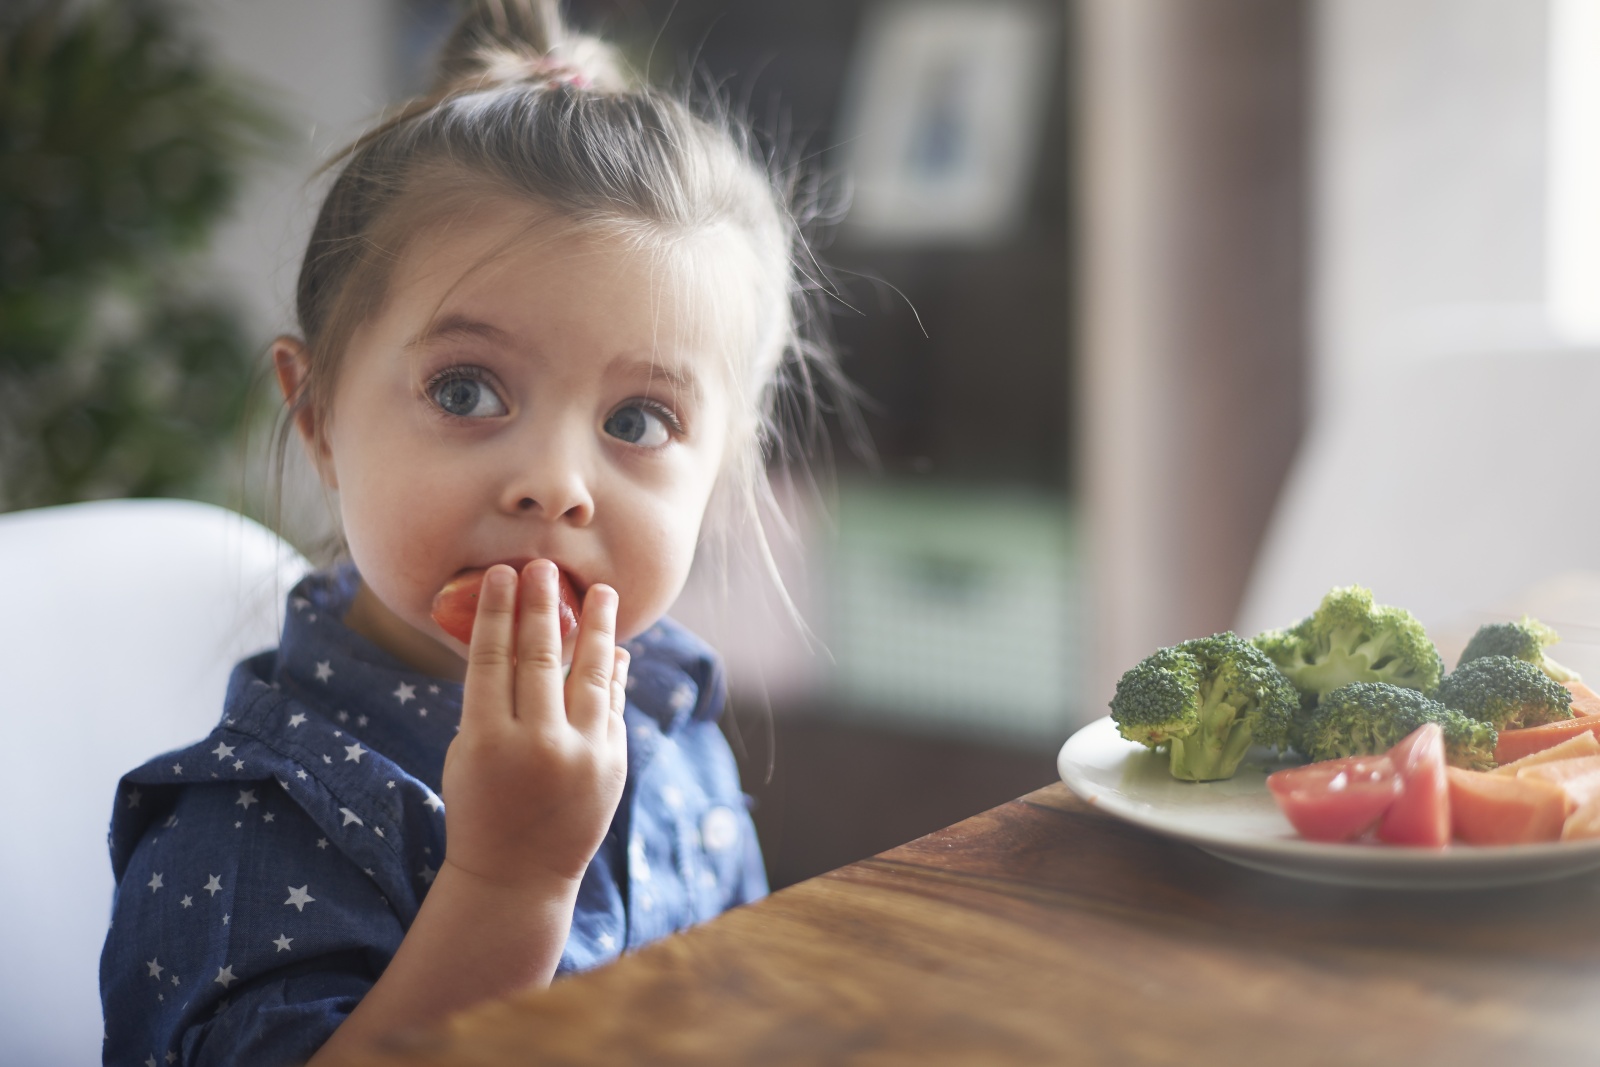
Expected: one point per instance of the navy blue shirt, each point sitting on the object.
(266, 875)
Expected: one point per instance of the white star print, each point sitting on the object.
(283, 943)
(214, 886)
(607, 942)
(172, 1057)
(299, 897)
(224, 976)
(296, 719)
(433, 689)
(350, 817)
(427, 874)
(174, 979)
(187, 902)
(434, 802)
(353, 753)
(390, 783)
(301, 774)
(300, 603)
(361, 720)
(155, 968)
(322, 842)
(151, 1061)
(338, 733)
(378, 830)
(404, 693)
(133, 798)
(172, 820)
(636, 860)
(238, 825)
(268, 816)
(155, 882)
(222, 751)
(226, 919)
(247, 797)
(422, 711)
(327, 759)
(238, 764)
(324, 670)
(177, 768)
(342, 715)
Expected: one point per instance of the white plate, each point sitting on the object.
(1238, 820)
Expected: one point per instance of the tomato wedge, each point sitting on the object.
(1421, 816)
(1336, 799)
(455, 607)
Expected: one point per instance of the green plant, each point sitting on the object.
(122, 373)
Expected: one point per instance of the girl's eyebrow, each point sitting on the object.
(680, 379)
(457, 326)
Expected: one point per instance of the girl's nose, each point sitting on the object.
(551, 487)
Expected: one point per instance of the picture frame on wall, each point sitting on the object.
(941, 119)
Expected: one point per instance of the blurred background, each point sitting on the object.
(1119, 281)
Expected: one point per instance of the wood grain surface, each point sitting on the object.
(1045, 932)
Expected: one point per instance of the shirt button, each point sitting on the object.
(719, 829)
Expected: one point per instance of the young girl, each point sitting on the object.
(543, 313)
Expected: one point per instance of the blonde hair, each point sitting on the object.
(524, 108)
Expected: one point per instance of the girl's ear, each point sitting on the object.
(293, 364)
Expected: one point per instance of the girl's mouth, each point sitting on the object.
(455, 606)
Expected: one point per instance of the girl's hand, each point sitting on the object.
(534, 776)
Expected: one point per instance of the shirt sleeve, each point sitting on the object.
(240, 935)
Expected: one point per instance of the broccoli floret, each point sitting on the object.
(1206, 701)
(1510, 693)
(1525, 640)
(1351, 639)
(1366, 718)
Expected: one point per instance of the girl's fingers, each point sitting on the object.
(619, 681)
(594, 660)
(486, 699)
(538, 663)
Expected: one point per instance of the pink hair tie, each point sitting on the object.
(505, 69)
(555, 72)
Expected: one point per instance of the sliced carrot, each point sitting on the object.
(1583, 822)
(1585, 701)
(1585, 744)
(1581, 790)
(1514, 744)
(1561, 770)
(1497, 809)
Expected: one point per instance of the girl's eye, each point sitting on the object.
(638, 425)
(465, 396)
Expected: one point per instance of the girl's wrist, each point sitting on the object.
(530, 887)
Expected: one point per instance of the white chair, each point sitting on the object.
(1456, 486)
(119, 623)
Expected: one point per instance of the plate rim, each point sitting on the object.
(1350, 863)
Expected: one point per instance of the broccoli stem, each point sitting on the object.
(1215, 749)
(1339, 668)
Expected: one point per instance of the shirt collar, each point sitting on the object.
(407, 715)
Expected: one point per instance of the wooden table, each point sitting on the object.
(1045, 932)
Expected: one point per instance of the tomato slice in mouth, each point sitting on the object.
(455, 607)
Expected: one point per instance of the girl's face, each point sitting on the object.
(558, 397)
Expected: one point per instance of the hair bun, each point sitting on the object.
(507, 42)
